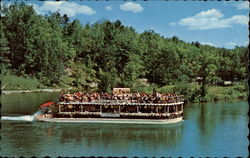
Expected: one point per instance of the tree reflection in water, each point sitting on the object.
(214, 117)
(120, 135)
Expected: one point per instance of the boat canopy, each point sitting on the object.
(47, 104)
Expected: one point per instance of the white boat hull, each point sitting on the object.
(111, 120)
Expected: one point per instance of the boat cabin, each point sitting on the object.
(121, 104)
(122, 110)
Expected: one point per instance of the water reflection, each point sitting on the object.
(30, 139)
(217, 124)
(20, 137)
(106, 134)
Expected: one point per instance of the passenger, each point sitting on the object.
(133, 97)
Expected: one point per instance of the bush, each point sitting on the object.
(144, 89)
(240, 88)
(191, 91)
(166, 89)
(216, 93)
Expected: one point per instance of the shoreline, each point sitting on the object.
(220, 99)
(30, 91)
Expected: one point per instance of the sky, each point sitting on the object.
(216, 23)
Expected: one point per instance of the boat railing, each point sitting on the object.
(127, 99)
(134, 101)
(124, 103)
(123, 113)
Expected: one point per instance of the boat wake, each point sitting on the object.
(21, 118)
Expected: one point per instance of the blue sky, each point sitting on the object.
(221, 24)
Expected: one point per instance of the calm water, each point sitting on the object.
(212, 129)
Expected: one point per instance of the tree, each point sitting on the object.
(5, 51)
(73, 34)
(18, 21)
(207, 70)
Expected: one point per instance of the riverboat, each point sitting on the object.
(119, 107)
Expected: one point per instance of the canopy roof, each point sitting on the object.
(47, 104)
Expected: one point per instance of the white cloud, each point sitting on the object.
(64, 7)
(208, 43)
(231, 45)
(108, 8)
(130, 6)
(242, 5)
(237, 19)
(212, 13)
(211, 19)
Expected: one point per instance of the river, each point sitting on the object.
(208, 130)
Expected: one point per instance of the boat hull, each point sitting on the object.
(111, 120)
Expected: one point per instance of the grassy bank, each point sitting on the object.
(191, 91)
(11, 82)
(216, 93)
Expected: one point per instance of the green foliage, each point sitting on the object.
(108, 80)
(66, 81)
(5, 51)
(58, 51)
(190, 91)
(216, 93)
(131, 72)
(167, 89)
(144, 89)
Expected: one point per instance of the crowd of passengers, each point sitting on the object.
(129, 98)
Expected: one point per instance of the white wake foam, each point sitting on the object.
(21, 118)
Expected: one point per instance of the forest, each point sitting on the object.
(57, 51)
